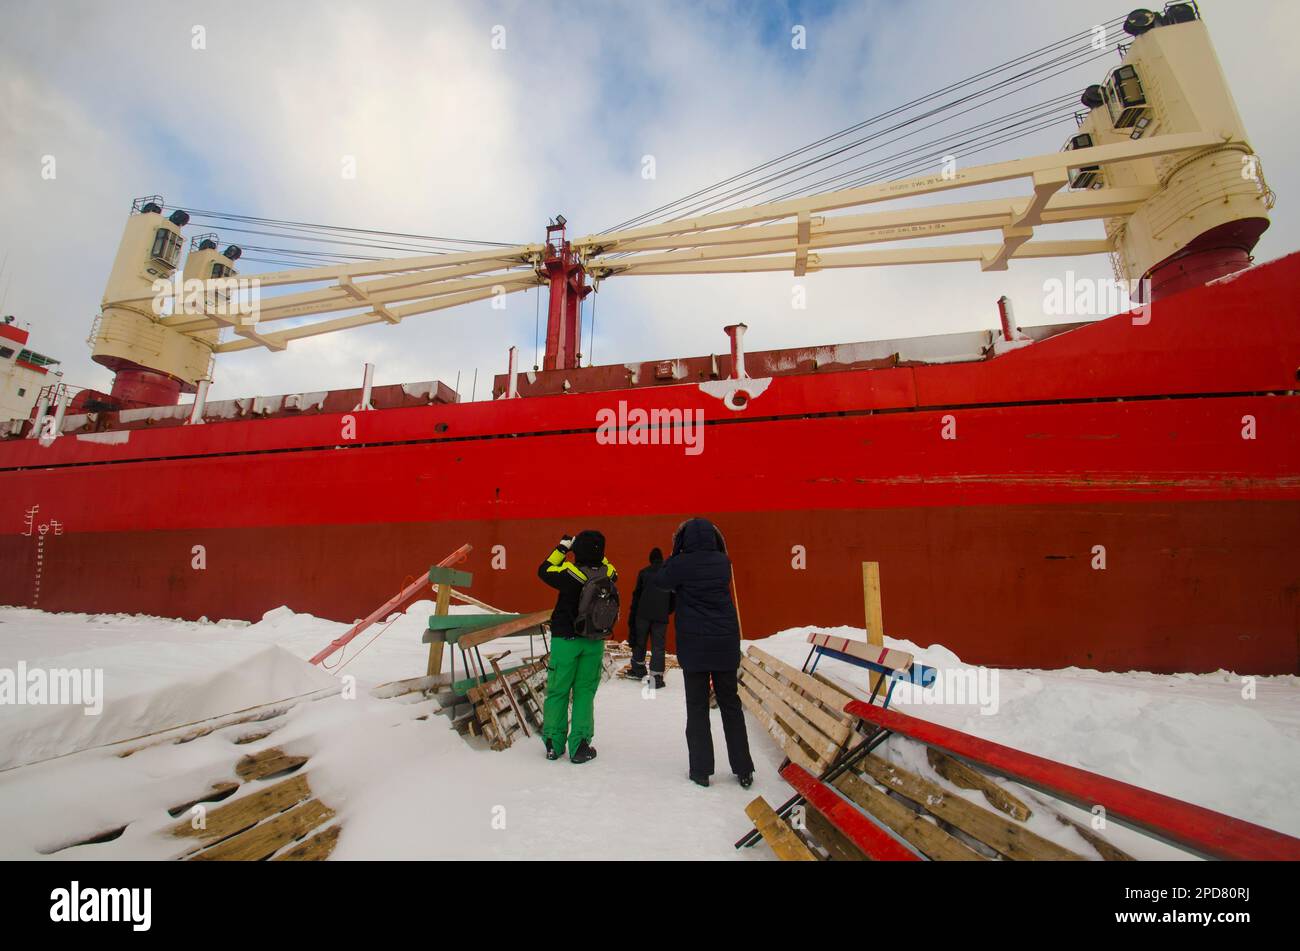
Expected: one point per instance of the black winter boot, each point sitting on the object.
(659, 681)
(584, 753)
(746, 780)
(701, 781)
(551, 752)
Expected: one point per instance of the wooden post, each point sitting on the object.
(435, 648)
(735, 599)
(875, 621)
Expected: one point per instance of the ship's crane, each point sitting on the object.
(1161, 157)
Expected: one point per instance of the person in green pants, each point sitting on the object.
(576, 658)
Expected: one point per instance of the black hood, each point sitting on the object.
(589, 547)
(656, 556)
(698, 534)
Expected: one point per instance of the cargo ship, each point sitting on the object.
(1115, 494)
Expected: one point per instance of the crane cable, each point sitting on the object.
(667, 208)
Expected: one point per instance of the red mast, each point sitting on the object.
(568, 289)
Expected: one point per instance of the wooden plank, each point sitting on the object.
(873, 841)
(184, 732)
(267, 763)
(838, 688)
(932, 841)
(217, 793)
(517, 626)
(831, 699)
(875, 613)
(788, 744)
(959, 774)
(823, 748)
(496, 686)
(495, 731)
(1000, 834)
(777, 833)
(834, 729)
(494, 710)
(179, 734)
(536, 691)
(252, 737)
(900, 661)
(838, 846)
(266, 839)
(456, 626)
(441, 607)
(497, 699)
(1108, 851)
(400, 688)
(317, 848)
(246, 812)
(448, 577)
(508, 689)
(1195, 828)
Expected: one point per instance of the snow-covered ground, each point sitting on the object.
(410, 788)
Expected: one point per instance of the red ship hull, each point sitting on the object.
(1121, 496)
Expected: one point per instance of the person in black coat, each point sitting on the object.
(708, 645)
(648, 621)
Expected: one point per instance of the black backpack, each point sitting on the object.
(597, 604)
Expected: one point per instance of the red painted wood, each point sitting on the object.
(1196, 828)
(874, 841)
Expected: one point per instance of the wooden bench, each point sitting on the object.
(894, 665)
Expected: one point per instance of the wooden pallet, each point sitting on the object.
(499, 703)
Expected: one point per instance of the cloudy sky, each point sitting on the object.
(452, 136)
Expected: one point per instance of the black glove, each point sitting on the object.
(565, 543)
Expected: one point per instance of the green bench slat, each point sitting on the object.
(452, 576)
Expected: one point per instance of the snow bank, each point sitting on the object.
(148, 684)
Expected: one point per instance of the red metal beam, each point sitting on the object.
(1200, 830)
(568, 288)
(392, 604)
(874, 841)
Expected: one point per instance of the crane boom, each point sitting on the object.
(1155, 160)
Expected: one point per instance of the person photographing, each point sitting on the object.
(586, 610)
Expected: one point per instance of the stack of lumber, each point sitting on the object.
(506, 705)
